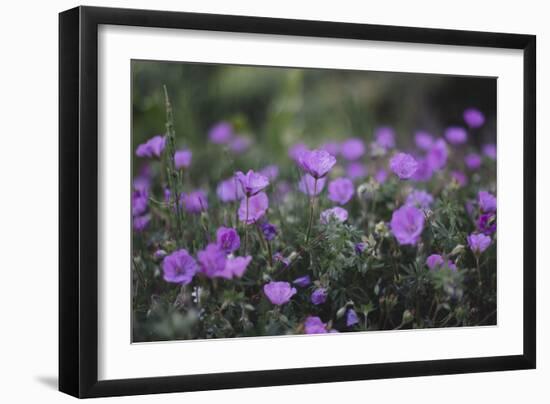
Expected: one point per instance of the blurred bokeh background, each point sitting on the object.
(274, 108)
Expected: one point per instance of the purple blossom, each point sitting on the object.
(159, 254)
(229, 190)
(490, 150)
(140, 199)
(271, 172)
(195, 202)
(340, 190)
(308, 186)
(424, 171)
(423, 140)
(140, 223)
(360, 248)
(279, 293)
(351, 318)
(314, 325)
(419, 198)
(221, 133)
(459, 177)
(257, 207)
(228, 239)
(356, 170)
(487, 223)
(182, 158)
(235, 267)
(486, 201)
(316, 163)
(302, 281)
(434, 260)
(407, 224)
(297, 150)
(332, 148)
(269, 231)
(381, 176)
(385, 137)
(319, 296)
(478, 242)
(251, 182)
(474, 118)
(239, 144)
(437, 155)
(152, 148)
(472, 161)
(179, 267)
(456, 135)
(403, 165)
(337, 213)
(278, 257)
(352, 149)
(212, 261)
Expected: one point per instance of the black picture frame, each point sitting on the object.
(78, 200)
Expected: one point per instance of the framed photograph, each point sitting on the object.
(251, 201)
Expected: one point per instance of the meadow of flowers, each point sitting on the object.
(350, 233)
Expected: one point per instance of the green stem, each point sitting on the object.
(311, 209)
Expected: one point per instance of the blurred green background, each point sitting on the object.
(278, 107)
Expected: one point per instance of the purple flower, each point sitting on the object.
(269, 231)
(331, 148)
(403, 165)
(314, 325)
(195, 202)
(478, 242)
(252, 182)
(434, 260)
(385, 137)
(239, 144)
(437, 155)
(279, 293)
(182, 158)
(381, 176)
(474, 118)
(352, 149)
(159, 254)
(316, 163)
(140, 223)
(308, 186)
(221, 133)
(487, 223)
(302, 281)
(420, 199)
(319, 296)
(297, 150)
(257, 206)
(473, 161)
(490, 150)
(271, 172)
(340, 190)
(212, 260)
(235, 267)
(407, 224)
(424, 171)
(152, 148)
(356, 170)
(456, 135)
(179, 267)
(228, 239)
(486, 201)
(229, 190)
(351, 318)
(360, 248)
(459, 177)
(423, 140)
(336, 213)
(140, 199)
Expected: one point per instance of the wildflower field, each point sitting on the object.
(279, 201)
